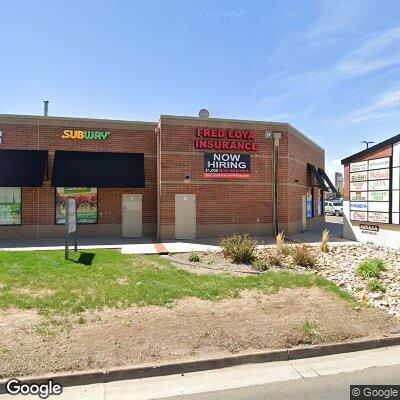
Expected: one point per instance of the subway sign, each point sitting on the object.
(85, 135)
(226, 165)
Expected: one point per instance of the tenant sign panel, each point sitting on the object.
(369, 190)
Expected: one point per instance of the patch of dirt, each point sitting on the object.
(210, 262)
(190, 329)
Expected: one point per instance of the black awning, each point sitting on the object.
(94, 169)
(327, 180)
(22, 168)
(317, 176)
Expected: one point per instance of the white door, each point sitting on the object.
(304, 211)
(131, 215)
(185, 216)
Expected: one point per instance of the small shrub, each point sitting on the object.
(194, 257)
(309, 329)
(240, 248)
(280, 239)
(286, 250)
(325, 241)
(303, 256)
(374, 285)
(371, 268)
(275, 260)
(261, 265)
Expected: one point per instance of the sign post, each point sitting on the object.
(70, 224)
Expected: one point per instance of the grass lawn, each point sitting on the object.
(106, 278)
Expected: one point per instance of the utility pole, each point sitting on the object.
(367, 143)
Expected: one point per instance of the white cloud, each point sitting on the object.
(374, 53)
(385, 106)
(336, 16)
(271, 101)
(378, 51)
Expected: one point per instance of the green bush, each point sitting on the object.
(261, 265)
(239, 248)
(374, 285)
(303, 256)
(194, 257)
(371, 268)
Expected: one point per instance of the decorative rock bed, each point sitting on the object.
(339, 266)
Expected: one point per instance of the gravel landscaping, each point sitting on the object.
(338, 265)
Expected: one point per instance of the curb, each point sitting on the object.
(134, 372)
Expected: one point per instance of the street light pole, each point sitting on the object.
(367, 143)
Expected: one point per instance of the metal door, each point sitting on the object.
(132, 215)
(185, 216)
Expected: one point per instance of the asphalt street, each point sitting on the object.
(333, 387)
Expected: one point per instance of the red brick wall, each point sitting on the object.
(223, 202)
(223, 205)
(45, 134)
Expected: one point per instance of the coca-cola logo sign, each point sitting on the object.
(359, 215)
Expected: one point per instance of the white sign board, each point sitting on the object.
(359, 215)
(358, 176)
(358, 186)
(359, 166)
(379, 163)
(358, 196)
(378, 185)
(381, 217)
(71, 215)
(378, 174)
(379, 195)
(378, 206)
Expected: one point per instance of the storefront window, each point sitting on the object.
(321, 202)
(10, 206)
(310, 211)
(86, 204)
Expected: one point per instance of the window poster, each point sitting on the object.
(10, 206)
(86, 204)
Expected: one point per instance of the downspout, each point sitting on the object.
(158, 133)
(275, 162)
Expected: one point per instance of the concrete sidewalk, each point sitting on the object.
(150, 246)
(232, 377)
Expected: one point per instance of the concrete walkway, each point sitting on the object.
(149, 246)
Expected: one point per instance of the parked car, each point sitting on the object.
(334, 208)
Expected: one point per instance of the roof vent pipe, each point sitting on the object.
(203, 113)
(46, 108)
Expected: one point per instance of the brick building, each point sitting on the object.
(180, 177)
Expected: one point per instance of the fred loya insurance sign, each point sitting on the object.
(226, 165)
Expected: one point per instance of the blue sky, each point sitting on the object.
(330, 68)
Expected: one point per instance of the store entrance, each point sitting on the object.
(132, 215)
